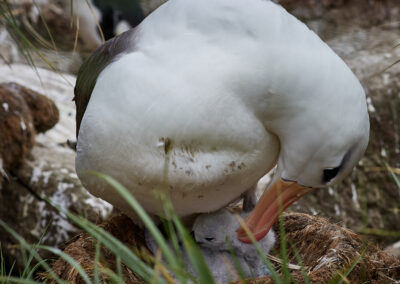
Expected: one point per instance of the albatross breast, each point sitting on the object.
(218, 147)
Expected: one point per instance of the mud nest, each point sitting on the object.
(23, 113)
(327, 251)
(82, 249)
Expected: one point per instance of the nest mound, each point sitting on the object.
(23, 112)
(82, 249)
(43, 110)
(327, 252)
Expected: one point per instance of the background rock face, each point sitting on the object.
(46, 166)
(49, 172)
(330, 18)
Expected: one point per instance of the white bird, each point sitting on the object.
(208, 96)
(86, 16)
(215, 233)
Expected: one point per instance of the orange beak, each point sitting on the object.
(279, 197)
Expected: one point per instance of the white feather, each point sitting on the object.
(235, 86)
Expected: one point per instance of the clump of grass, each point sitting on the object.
(166, 260)
(25, 44)
(167, 266)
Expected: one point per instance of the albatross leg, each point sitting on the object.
(150, 241)
(249, 199)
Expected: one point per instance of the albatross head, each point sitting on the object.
(321, 141)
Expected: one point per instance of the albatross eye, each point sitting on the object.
(330, 173)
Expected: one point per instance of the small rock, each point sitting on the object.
(394, 249)
(44, 111)
(23, 112)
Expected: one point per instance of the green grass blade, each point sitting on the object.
(287, 277)
(395, 178)
(69, 260)
(11, 270)
(194, 254)
(174, 240)
(3, 270)
(17, 280)
(236, 262)
(33, 270)
(24, 44)
(97, 20)
(2, 262)
(119, 268)
(171, 258)
(45, 26)
(112, 277)
(300, 262)
(96, 277)
(172, 236)
(259, 250)
(381, 233)
(28, 247)
(348, 271)
(31, 256)
(15, 32)
(157, 263)
(129, 258)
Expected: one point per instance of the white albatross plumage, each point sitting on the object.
(215, 234)
(233, 87)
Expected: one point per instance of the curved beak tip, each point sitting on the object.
(280, 195)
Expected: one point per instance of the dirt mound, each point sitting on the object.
(23, 112)
(327, 252)
(82, 249)
(43, 110)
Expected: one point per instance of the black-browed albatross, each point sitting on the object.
(228, 89)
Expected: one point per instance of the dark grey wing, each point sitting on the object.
(92, 67)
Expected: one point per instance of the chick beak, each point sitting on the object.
(279, 197)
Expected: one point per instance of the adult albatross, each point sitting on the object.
(223, 90)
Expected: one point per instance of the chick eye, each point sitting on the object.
(330, 173)
(209, 239)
